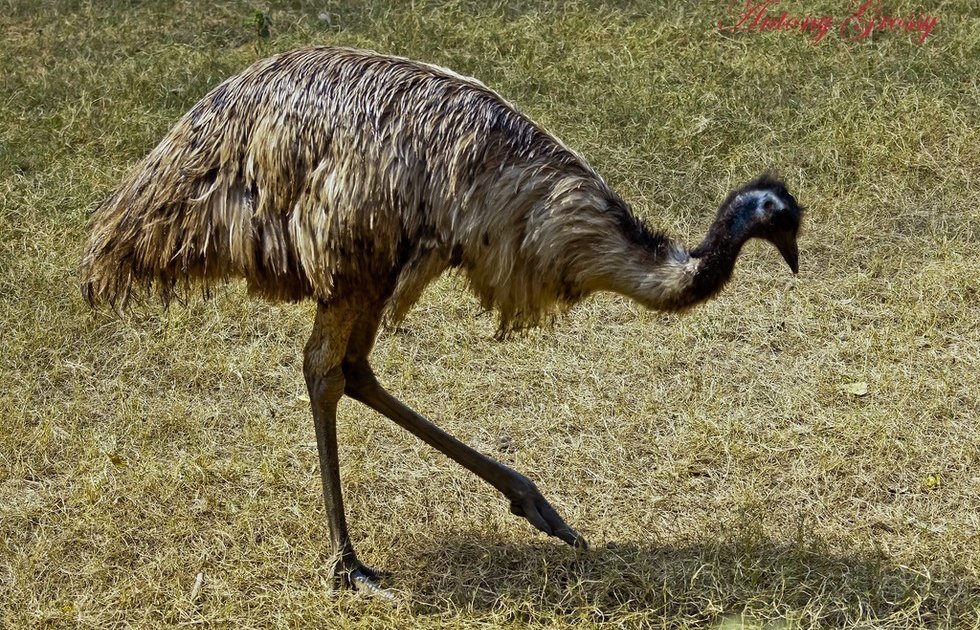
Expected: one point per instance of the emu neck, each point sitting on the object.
(663, 275)
(716, 257)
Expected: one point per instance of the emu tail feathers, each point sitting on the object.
(176, 222)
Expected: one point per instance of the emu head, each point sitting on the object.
(764, 209)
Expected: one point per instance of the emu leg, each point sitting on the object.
(325, 383)
(525, 499)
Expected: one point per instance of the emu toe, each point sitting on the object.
(352, 574)
(536, 509)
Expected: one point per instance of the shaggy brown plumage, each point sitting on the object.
(324, 169)
(356, 179)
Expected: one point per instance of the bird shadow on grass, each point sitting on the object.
(703, 582)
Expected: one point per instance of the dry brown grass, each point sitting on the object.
(716, 462)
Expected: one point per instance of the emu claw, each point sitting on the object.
(536, 509)
(350, 573)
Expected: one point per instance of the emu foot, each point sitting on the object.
(349, 573)
(532, 505)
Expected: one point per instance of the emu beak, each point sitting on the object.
(785, 242)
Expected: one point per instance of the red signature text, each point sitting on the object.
(866, 18)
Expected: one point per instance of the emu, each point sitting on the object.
(355, 179)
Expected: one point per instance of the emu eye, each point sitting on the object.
(769, 206)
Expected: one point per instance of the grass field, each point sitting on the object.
(800, 452)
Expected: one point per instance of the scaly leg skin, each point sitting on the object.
(325, 383)
(525, 499)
